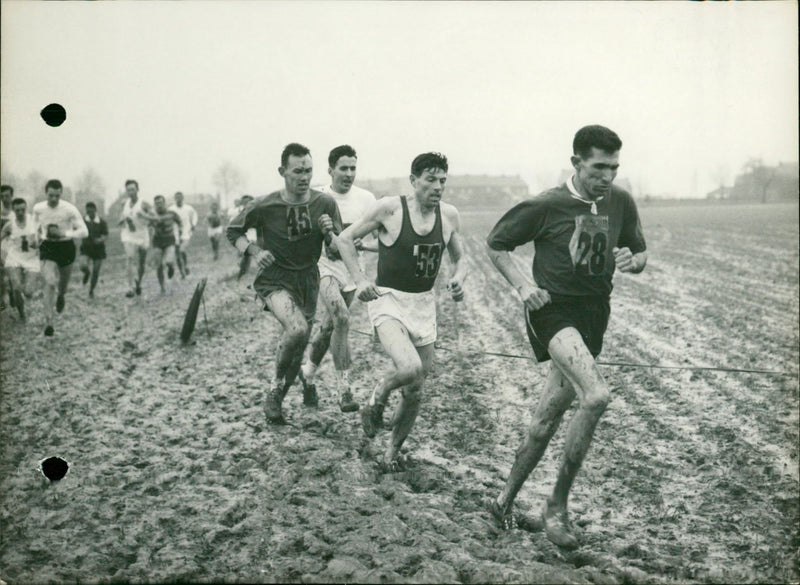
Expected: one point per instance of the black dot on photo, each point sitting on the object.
(54, 114)
(54, 468)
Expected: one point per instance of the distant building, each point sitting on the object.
(462, 190)
(719, 194)
(766, 184)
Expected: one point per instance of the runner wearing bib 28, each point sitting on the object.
(582, 231)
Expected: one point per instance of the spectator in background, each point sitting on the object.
(188, 217)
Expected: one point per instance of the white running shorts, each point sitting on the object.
(415, 311)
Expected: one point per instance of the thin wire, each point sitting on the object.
(621, 364)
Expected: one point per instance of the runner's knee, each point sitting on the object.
(410, 372)
(297, 332)
(598, 399)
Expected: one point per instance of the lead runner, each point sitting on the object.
(291, 225)
(582, 230)
(412, 235)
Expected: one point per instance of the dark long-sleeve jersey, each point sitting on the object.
(289, 230)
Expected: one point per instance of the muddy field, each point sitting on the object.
(175, 476)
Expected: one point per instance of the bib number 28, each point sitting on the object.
(592, 252)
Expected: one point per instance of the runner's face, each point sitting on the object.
(53, 195)
(91, 212)
(132, 190)
(19, 211)
(595, 174)
(343, 174)
(178, 199)
(160, 204)
(297, 174)
(7, 196)
(429, 187)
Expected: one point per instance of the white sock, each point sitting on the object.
(309, 369)
(374, 392)
(343, 380)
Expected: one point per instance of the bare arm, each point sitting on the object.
(630, 263)
(455, 249)
(533, 296)
(370, 222)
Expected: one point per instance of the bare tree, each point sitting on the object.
(228, 178)
(7, 177)
(762, 176)
(89, 185)
(33, 185)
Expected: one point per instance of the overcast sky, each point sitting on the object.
(164, 92)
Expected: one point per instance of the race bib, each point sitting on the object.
(588, 246)
(298, 222)
(427, 258)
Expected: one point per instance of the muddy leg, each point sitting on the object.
(293, 339)
(407, 410)
(556, 398)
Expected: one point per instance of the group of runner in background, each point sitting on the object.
(40, 246)
(307, 243)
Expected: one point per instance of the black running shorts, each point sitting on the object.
(62, 252)
(93, 251)
(589, 315)
(302, 285)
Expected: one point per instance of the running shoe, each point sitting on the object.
(558, 529)
(60, 302)
(86, 275)
(310, 397)
(272, 406)
(130, 294)
(138, 289)
(372, 418)
(48, 331)
(346, 402)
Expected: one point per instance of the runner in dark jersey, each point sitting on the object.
(413, 233)
(93, 248)
(581, 231)
(6, 213)
(214, 220)
(291, 226)
(163, 242)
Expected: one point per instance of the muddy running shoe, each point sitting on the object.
(310, 397)
(372, 418)
(557, 528)
(138, 289)
(502, 519)
(272, 407)
(346, 402)
(130, 294)
(48, 331)
(60, 302)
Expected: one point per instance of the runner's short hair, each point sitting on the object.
(91, 204)
(293, 149)
(17, 201)
(4, 188)
(339, 152)
(132, 182)
(53, 184)
(595, 136)
(428, 160)
(158, 197)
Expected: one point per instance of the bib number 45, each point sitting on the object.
(298, 221)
